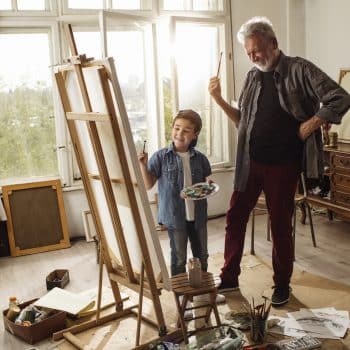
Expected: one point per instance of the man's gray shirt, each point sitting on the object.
(304, 91)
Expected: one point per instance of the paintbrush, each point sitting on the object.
(218, 71)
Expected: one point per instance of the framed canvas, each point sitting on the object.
(36, 220)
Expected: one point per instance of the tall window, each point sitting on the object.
(195, 65)
(27, 124)
(126, 46)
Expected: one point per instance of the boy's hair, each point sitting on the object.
(192, 116)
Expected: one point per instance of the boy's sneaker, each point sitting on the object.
(226, 288)
(280, 295)
(206, 297)
(220, 299)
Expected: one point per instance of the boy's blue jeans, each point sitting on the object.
(178, 247)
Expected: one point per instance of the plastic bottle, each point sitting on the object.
(13, 310)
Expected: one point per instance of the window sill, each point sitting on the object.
(223, 170)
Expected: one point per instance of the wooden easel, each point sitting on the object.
(124, 272)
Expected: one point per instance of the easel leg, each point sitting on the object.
(139, 316)
(100, 279)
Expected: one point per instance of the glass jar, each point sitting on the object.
(194, 272)
(333, 139)
(13, 310)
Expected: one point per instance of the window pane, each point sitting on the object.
(195, 65)
(127, 49)
(193, 5)
(31, 5)
(5, 5)
(85, 4)
(126, 4)
(27, 127)
(173, 5)
(88, 43)
(207, 5)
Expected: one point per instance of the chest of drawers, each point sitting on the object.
(339, 177)
(339, 172)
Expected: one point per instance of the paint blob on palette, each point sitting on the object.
(200, 190)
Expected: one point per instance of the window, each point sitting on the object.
(27, 124)
(85, 4)
(31, 5)
(163, 65)
(109, 4)
(193, 65)
(17, 6)
(193, 5)
(6, 5)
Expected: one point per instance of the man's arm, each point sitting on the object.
(215, 91)
(308, 127)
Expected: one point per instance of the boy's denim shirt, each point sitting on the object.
(166, 166)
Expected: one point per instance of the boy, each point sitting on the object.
(175, 167)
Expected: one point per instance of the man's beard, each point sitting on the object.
(268, 66)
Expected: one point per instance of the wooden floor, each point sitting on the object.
(24, 277)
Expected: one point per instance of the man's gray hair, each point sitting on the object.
(256, 25)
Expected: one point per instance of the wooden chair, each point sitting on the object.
(183, 293)
(300, 201)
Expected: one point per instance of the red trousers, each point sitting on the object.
(279, 184)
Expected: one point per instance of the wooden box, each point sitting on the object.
(37, 331)
(57, 278)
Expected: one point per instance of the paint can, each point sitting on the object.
(333, 139)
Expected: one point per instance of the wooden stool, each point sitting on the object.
(181, 288)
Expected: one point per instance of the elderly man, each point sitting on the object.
(283, 103)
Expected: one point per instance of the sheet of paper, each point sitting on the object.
(289, 327)
(61, 299)
(324, 321)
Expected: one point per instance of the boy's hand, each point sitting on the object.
(143, 158)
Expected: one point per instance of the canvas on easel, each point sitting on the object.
(99, 127)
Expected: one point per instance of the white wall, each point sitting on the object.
(327, 34)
